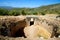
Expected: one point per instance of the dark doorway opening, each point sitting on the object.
(31, 23)
(20, 33)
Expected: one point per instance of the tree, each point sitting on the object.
(23, 12)
(3, 11)
(42, 13)
(13, 12)
(35, 13)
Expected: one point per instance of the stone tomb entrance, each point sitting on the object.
(31, 20)
(16, 29)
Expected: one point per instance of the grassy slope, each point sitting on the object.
(48, 9)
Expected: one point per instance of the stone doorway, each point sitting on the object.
(31, 21)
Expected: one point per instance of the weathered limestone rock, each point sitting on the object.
(14, 24)
(36, 31)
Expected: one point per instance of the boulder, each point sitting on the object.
(36, 31)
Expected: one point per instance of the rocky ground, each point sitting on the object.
(22, 38)
(46, 23)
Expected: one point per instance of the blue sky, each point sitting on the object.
(27, 3)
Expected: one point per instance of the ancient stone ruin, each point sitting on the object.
(29, 26)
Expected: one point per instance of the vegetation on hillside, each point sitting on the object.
(50, 9)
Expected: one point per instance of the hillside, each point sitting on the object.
(47, 9)
(54, 8)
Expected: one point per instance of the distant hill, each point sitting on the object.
(51, 9)
(53, 6)
(47, 9)
(6, 7)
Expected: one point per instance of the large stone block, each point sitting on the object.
(36, 31)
